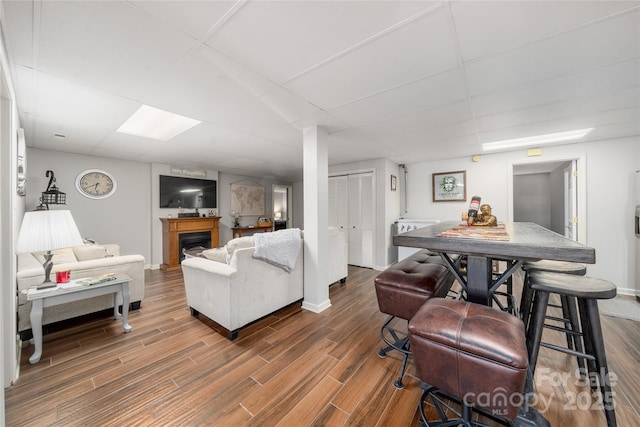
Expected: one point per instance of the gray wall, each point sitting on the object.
(532, 198)
(122, 218)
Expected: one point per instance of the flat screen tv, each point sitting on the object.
(180, 192)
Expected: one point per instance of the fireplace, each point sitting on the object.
(180, 233)
(188, 241)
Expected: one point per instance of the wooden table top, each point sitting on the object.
(527, 241)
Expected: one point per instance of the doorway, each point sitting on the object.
(282, 197)
(550, 193)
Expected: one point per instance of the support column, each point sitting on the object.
(316, 219)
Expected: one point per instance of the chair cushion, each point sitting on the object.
(216, 254)
(238, 243)
(403, 287)
(87, 252)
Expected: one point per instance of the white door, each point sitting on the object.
(361, 219)
(338, 202)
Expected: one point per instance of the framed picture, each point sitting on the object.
(394, 183)
(450, 186)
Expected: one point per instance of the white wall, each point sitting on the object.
(609, 172)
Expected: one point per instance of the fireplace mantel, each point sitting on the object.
(173, 227)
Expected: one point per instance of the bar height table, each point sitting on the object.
(527, 242)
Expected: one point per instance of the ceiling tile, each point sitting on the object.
(607, 42)
(197, 88)
(302, 34)
(196, 18)
(419, 49)
(430, 92)
(129, 61)
(518, 23)
(598, 81)
(448, 115)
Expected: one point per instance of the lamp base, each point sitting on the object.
(46, 285)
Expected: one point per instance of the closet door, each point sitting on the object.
(361, 219)
(338, 206)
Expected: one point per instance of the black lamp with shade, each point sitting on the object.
(47, 230)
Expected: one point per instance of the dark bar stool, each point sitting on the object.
(401, 290)
(471, 354)
(544, 265)
(569, 318)
(587, 291)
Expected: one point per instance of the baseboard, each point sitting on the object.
(626, 291)
(316, 308)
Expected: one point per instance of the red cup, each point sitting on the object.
(63, 276)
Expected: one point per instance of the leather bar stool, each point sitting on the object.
(401, 290)
(587, 291)
(470, 354)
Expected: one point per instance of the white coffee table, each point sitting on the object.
(70, 292)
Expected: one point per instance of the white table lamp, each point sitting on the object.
(46, 231)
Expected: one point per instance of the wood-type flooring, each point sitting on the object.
(293, 368)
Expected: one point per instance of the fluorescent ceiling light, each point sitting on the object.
(190, 190)
(531, 141)
(154, 123)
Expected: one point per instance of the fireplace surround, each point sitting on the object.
(174, 228)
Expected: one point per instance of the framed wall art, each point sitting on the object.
(450, 186)
(394, 183)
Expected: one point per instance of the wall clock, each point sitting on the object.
(96, 183)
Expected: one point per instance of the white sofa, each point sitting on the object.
(233, 289)
(82, 261)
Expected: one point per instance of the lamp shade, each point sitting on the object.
(47, 230)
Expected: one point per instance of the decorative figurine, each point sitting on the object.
(485, 218)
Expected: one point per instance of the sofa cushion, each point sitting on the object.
(60, 256)
(216, 254)
(238, 243)
(87, 252)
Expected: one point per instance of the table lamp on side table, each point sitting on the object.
(46, 230)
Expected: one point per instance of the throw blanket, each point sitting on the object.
(279, 248)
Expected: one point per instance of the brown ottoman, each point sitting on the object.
(473, 352)
(402, 289)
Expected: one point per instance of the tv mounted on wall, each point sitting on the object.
(181, 192)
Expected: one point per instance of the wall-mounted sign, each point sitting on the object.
(194, 173)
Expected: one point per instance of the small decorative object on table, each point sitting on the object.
(236, 218)
(264, 221)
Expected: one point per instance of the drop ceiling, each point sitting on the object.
(408, 81)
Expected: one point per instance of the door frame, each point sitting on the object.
(289, 191)
(581, 181)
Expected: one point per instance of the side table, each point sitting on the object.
(237, 231)
(72, 291)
